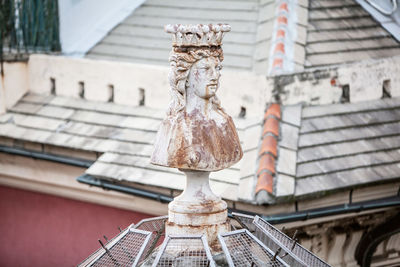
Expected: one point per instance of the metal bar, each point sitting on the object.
(95, 254)
(237, 216)
(211, 262)
(116, 241)
(244, 231)
(141, 251)
(154, 243)
(226, 250)
(334, 210)
(164, 217)
(107, 251)
(45, 156)
(161, 251)
(266, 248)
(285, 247)
(87, 179)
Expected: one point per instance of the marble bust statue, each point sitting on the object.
(197, 134)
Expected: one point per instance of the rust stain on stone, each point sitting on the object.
(199, 143)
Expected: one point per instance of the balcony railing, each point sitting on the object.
(28, 26)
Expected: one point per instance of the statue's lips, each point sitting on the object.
(213, 86)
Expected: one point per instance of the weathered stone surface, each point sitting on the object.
(285, 185)
(287, 161)
(289, 136)
(197, 133)
(197, 143)
(292, 114)
(197, 136)
(349, 162)
(345, 179)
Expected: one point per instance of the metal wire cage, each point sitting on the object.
(258, 244)
(152, 224)
(241, 248)
(293, 253)
(123, 249)
(184, 251)
(100, 251)
(245, 221)
(128, 250)
(288, 248)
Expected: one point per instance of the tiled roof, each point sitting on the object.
(278, 55)
(268, 150)
(299, 151)
(348, 145)
(122, 136)
(390, 22)
(267, 36)
(342, 31)
(141, 39)
(328, 148)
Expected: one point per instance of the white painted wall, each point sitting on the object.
(237, 88)
(13, 85)
(365, 80)
(83, 23)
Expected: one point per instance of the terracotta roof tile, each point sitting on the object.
(280, 33)
(284, 7)
(273, 109)
(280, 48)
(265, 182)
(269, 145)
(268, 151)
(278, 63)
(282, 20)
(267, 163)
(271, 125)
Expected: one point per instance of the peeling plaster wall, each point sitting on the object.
(325, 86)
(366, 79)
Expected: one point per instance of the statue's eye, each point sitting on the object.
(219, 67)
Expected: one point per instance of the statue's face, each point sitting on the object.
(204, 77)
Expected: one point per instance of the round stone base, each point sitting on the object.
(211, 232)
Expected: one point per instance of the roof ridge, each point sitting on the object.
(268, 151)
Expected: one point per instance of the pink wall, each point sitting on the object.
(43, 230)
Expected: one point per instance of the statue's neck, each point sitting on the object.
(193, 102)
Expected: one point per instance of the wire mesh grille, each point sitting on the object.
(246, 221)
(184, 251)
(154, 225)
(242, 249)
(134, 245)
(100, 251)
(286, 255)
(127, 251)
(296, 255)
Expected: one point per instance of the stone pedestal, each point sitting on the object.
(198, 210)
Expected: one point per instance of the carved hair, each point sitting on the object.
(181, 61)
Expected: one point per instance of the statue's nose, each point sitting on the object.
(215, 73)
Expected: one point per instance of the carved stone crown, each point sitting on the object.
(197, 35)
